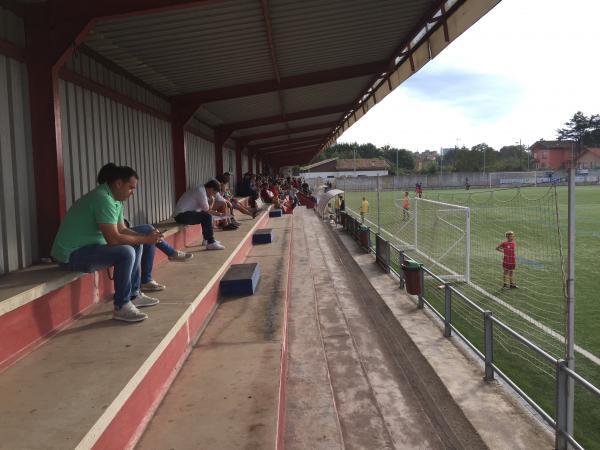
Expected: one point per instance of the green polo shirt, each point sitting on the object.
(80, 226)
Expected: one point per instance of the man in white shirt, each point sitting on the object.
(192, 209)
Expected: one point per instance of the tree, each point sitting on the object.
(582, 129)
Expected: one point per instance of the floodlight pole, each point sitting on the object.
(570, 354)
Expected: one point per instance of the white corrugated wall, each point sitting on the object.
(244, 162)
(18, 224)
(97, 130)
(200, 157)
(229, 165)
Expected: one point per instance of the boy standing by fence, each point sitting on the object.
(405, 207)
(364, 209)
(509, 261)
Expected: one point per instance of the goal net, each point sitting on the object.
(437, 232)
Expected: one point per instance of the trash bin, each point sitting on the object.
(412, 277)
(364, 236)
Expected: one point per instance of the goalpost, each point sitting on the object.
(439, 232)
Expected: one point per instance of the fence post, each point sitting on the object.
(378, 208)
(420, 302)
(447, 310)
(562, 402)
(488, 342)
(400, 271)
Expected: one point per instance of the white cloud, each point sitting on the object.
(520, 72)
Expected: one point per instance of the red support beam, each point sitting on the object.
(296, 81)
(307, 114)
(179, 157)
(291, 151)
(313, 138)
(269, 134)
(289, 146)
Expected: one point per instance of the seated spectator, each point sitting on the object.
(93, 236)
(232, 203)
(148, 250)
(193, 208)
(265, 194)
(287, 206)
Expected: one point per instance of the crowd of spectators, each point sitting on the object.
(94, 233)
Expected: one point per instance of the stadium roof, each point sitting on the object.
(284, 77)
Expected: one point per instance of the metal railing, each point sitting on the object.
(384, 253)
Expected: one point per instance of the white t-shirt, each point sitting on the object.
(194, 199)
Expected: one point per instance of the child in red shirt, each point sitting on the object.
(509, 261)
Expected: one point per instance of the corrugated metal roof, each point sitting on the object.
(226, 44)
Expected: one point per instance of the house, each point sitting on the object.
(423, 159)
(553, 155)
(589, 158)
(556, 155)
(334, 167)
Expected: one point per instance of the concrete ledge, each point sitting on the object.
(117, 373)
(40, 300)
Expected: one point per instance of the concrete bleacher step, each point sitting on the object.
(95, 383)
(226, 395)
(347, 386)
(38, 301)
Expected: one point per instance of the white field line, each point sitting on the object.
(595, 359)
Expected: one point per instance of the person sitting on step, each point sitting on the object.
(93, 236)
(148, 284)
(193, 208)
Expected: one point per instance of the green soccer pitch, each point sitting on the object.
(536, 308)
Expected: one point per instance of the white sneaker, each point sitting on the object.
(129, 313)
(180, 256)
(205, 242)
(215, 246)
(143, 301)
(152, 286)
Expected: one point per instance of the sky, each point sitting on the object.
(519, 73)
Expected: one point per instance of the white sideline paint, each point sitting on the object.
(595, 359)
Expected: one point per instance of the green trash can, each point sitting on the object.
(364, 236)
(412, 276)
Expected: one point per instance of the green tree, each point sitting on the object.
(582, 129)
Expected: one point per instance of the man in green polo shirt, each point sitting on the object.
(93, 235)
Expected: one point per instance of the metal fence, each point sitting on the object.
(390, 258)
(452, 180)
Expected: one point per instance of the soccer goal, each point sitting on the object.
(439, 232)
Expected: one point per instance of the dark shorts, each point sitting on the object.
(508, 266)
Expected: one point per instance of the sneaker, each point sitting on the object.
(143, 301)
(505, 286)
(230, 226)
(235, 222)
(152, 286)
(180, 256)
(514, 286)
(129, 313)
(205, 242)
(215, 246)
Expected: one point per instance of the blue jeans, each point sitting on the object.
(149, 250)
(125, 259)
(198, 217)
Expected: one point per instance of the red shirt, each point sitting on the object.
(509, 249)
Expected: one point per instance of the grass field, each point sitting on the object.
(535, 309)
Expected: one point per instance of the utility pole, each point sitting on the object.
(397, 150)
(570, 356)
(354, 148)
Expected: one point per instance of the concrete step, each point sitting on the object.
(361, 394)
(96, 383)
(227, 393)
